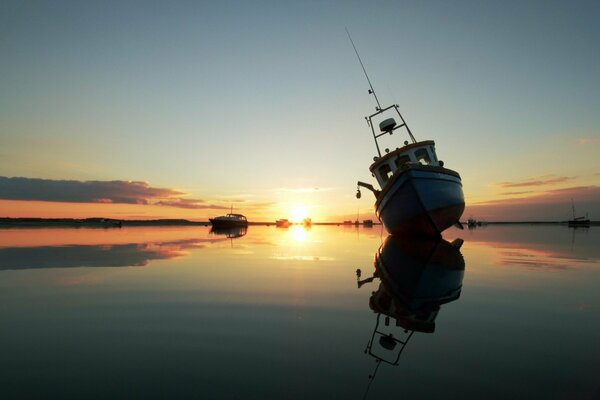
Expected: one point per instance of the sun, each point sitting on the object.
(298, 213)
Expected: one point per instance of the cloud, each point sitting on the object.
(111, 192)
(588, 140)
(192, 204)
(516, 193)
(550, 205)
(539, 181)
(113, 255)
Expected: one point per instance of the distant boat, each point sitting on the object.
(368, 222)
(347, 223)
(229, 221)
(282, 223)
(578, 222)
(418, 195)
(472, 223)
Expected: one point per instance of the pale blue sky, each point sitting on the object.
(162, 91)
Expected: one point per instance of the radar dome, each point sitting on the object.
(387, 125)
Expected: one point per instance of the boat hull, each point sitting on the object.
(579, 223)
(421, 201)
(224, 224)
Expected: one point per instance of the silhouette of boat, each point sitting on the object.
(229, 221)
(578, 222)
(282, 223)
(368, 222)
(418, 194)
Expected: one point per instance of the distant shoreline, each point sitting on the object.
(109, 222)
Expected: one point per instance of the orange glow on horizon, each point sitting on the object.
(298, 213)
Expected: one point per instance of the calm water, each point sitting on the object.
(278, 313)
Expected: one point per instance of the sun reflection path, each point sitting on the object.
(298, 233)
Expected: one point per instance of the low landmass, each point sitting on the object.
(110, 222)
(93, 222)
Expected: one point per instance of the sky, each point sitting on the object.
(187, 109)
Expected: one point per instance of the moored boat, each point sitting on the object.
(578, 222)
(230, 220)
(282, 223)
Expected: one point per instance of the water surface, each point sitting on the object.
(278, 313)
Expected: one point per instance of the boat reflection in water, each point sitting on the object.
(416, 278)
(231, 233)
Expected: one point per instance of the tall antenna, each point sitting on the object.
(371, 90)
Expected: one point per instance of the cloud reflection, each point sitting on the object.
(73, 256)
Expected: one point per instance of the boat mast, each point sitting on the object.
(371, 90)
(378, 109)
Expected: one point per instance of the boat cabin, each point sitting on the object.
(239, 217)
(418, 153)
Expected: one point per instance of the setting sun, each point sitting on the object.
(298, 213)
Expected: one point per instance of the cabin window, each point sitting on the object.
(401, 160)
(385, 172)
(422, 156)
(433, 155)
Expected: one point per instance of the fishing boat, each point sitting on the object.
(417, 194)
(230, 220)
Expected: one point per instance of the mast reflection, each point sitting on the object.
(416, 277)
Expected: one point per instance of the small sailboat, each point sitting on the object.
(417, 194)
(578, 222)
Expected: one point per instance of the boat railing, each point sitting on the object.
(387, 126)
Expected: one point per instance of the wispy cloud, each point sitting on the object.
(192, 204)
(71, 191)
(552, 204)
(537, 181)
(588, 140)
(516, 193)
